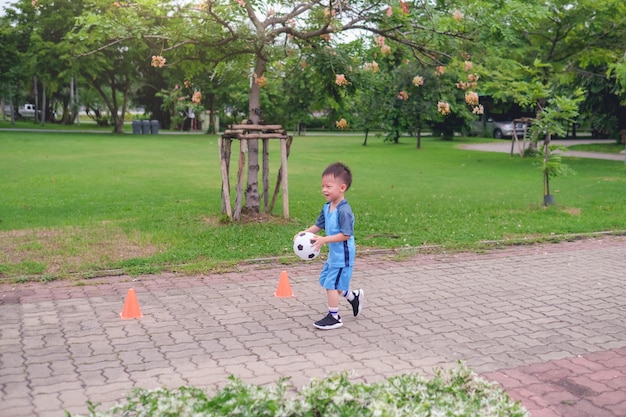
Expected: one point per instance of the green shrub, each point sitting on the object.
(457, 392)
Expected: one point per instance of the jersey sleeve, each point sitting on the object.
(321, 220)
(346, 220)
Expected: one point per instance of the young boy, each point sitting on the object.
(337, 221)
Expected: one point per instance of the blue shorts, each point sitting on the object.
(332, 278)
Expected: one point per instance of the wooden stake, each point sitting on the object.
(224, 157)
(266, 173)
(279, 178)
(283, 167)
(243, 148)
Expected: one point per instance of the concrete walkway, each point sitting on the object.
(545, 321)
(505, 146)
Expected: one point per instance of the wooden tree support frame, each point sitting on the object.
(244, 133)
(521, 146)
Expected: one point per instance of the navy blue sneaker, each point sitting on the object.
(357, 301)
(328, 322)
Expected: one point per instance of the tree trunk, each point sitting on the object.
(212, 128)
(119, 124)
(36, 99)
(114, 107)
(252, 189)
(43, 106)
(75, 106)
(546, 176)
(72, 115)
(11, 105)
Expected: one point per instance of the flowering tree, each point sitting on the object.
(179, 101)
(261, 32)
(404, 95)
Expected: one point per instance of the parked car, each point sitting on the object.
(496, 128)
(28, 111)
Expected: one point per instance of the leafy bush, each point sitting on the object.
(457, 392)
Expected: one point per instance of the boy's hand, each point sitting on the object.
(299, 233)
(318, 242)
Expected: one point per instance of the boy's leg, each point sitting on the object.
(328, 278)
(332, 319)
(333, 298)
(355, 298)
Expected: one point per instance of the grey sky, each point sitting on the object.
(4, 3)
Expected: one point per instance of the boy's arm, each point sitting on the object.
(322, 240)
(313, 229)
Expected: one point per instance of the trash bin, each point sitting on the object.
(136, 127)
(622, 134)
(145, 127)
(154, 127)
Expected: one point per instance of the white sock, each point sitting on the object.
(349, 295)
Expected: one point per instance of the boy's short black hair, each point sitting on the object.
(339, 170)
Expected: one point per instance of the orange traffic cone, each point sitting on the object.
(131, 306)
(284, 289)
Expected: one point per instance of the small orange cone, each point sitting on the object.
(131, 306)
(284, 289)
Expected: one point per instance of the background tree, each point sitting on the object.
(11, 63)
(404, 94)
(618, 70)
(569, 44)
(298, 90)
(110, 61)
(551, 121)
(147, 90)
(225, 81)
(367, 106)
(421, 87)
(42, 25)
(603, 106)
(17, 56)
(533, 63)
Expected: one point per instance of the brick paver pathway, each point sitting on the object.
(546, 321)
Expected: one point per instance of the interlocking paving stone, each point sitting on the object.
(545, 321)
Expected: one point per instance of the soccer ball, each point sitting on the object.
(303, 247)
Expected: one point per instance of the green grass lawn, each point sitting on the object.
(78, 204)
(599, 147)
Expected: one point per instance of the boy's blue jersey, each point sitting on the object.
(340, 254)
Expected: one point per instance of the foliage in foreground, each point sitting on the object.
(457, 392)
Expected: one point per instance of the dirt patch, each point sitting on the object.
(71, 249)
(574, 211)
(248, 217)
